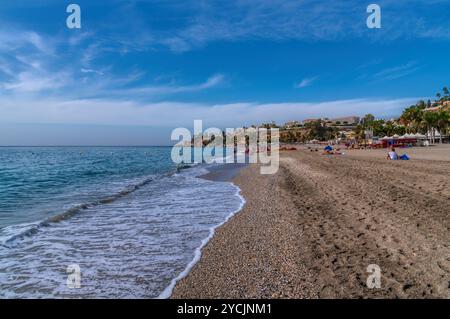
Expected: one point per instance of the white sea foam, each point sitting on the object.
(198, 251)
(137, 246)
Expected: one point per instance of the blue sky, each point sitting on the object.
(138, 69)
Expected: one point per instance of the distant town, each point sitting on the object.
(424, 123)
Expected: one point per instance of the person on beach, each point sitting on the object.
(392, 154)
(328, 150)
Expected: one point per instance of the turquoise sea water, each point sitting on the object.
(126, 216)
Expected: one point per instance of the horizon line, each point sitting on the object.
(4, 146)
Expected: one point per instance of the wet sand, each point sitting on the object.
(224, 173)
(311, 230)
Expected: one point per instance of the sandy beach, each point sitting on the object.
(311, 230)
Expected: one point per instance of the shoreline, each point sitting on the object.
(311, 230)
(222, 173)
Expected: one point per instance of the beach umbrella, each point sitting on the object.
(328, 148)
(418, 135)
(385, 138)
(396, 136)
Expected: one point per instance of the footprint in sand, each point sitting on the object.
(444, 264)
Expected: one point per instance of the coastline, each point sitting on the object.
(311, 230)
(222, 173)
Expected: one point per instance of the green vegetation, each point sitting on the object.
(420, 118)
(315, 130)
(423, 117)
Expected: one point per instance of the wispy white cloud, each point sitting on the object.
(84, 70)
(279, 20)
(28, 64)
(161, 114)
(38, 42)
(211, 82)
(27, 61)
(90, 53)
(274, 20)
(305, 82)
(397, 72)
(32, 82)
(79, 38)
(6, 68)
(12, 41)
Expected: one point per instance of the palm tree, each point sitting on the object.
(442, 123)
(406, 117)
(359, 132)
(421, 104)
(430, 120)
(368, 120)
(390, 128)
(446, 93)
(412, 118)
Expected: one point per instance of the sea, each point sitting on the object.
(104, 222)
